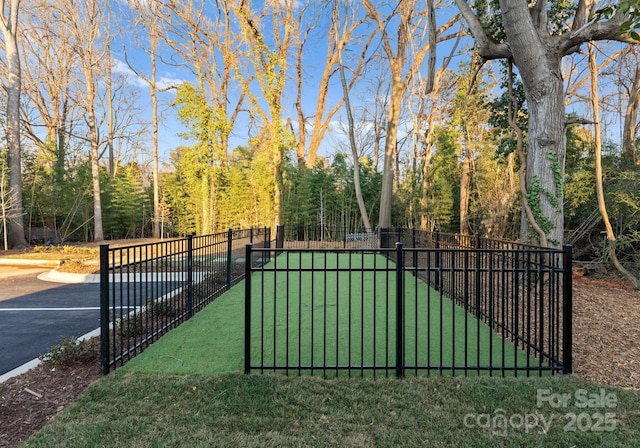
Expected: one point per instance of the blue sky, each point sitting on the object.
(314, 63)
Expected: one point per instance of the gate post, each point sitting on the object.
(229, 258)
(437, 266)
(189, 276)
(399, 311)
(104, 308)
(567, 309)
(247, 310)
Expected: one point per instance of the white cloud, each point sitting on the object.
(162, 83)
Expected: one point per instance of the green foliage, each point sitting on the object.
(631, 8)
(534, 196)
(499, 118)
(443, 182)
(161, 308)
(622, 198)
(207, 125)
(560, 13)
(327, 193)
(71, 351)
(557, 179)
(57, 193)
(128, 208)
(488, 11)
(132, 325)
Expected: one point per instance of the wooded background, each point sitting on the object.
(511, 119)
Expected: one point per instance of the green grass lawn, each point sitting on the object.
(159, 410)
(179, 392)
(331, 319)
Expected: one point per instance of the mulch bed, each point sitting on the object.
(606, 335)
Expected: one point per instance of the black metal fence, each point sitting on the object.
(148, 289)
(433, 303)
(318, 236)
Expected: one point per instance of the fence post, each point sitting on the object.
(399, 311)
(229, 258)
(189, 276)
(438, 256)
(567, 309)
(247, 310)
(415, 253)
(279, 237)
(384, 238)
(104, 308)
(478, 289)
(251, 235)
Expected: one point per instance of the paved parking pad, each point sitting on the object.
(31, 323)
(36, 315)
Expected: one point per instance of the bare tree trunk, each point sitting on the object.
(611, 237)
(110, 127)
(631, 120)
(354, 152)
(390, 149)
(410, 22)
(465, 186)
(154, 118)
(9, 27)
(98, 232)
(3, 207)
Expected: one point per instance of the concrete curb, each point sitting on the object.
(36, 362)
(56, 276)
(27, 262)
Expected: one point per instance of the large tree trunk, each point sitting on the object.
(546, 154)
(537, 53)
(539, 67)
(15, 228)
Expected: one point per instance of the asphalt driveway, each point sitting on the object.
(36, 315)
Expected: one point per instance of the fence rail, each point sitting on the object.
(319, 236)
(446, 303)
(148, 289)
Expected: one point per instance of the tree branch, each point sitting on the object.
(609, 30)
(486, 46)
(539, 15)
(582, 14)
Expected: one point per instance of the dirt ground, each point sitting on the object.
(606, 335)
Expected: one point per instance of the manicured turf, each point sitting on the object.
(346, 318)
(234, 410)
(346, 314)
